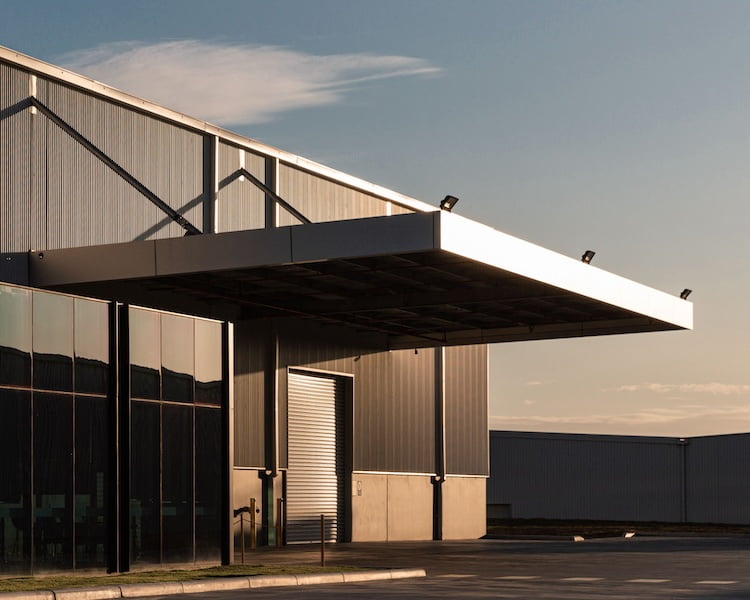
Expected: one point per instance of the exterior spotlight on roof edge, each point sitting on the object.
(685, 293)
(587, 256)
(448, 203)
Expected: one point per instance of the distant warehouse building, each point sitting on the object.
(619, 478)
(192, 321)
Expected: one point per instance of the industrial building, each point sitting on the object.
(193, 320)
(703, 479)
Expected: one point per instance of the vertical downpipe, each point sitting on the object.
(272, 437)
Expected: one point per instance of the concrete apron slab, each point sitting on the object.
(139, 590)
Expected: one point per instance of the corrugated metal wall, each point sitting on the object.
(19, 214)
(90, 204)
(56, 194)
(324, 200)
(249, 407)
(561, 476)
(394, 401)
(466, 439)
(394, 412)
(241, 205)
(718, 479)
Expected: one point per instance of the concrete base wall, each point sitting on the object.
(464, 508)
(391, 507)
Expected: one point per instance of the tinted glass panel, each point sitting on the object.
(145, 529)
(177, 483)
(15, 483)
(53, 342)
(53, 481)
(15, 336)
(208, 388)
(91, 459)
(177, 343)
(145, 359)
(208, 467)
(91, 346)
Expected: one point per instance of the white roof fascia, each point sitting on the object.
(468, 238)
(146, 106)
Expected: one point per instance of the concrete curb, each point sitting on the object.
(96, 593)
(139, 590)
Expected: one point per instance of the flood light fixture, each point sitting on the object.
(587, 256)
(685, 293)
(448, 203)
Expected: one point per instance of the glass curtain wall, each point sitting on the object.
(176, 393)
(54, 431)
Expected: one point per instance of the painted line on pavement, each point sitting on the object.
(715, 582)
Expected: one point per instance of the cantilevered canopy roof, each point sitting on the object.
(422, 279)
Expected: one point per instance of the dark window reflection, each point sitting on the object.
(177, 344)
(91, 346)
(145, 478)
(177, 483)
(53, 341)
(145, 359)
(208, 467)
(91, 445)
(208, 357)
(15, 336)
(15, 482)
(53, 481)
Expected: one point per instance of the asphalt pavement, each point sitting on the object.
(640, 567)
(612, 568)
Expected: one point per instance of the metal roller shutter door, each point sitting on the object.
(315, 475)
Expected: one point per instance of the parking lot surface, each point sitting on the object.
(641, 567)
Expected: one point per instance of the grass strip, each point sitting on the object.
(59, 582)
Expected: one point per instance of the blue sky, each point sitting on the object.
(623, 127)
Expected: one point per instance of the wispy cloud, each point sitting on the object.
(235, 84)
(692, 419)
(713, 388)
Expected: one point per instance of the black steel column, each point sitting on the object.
(439, 478)
(122, 483)
(271, 177)
(210, 182)
(227, 379)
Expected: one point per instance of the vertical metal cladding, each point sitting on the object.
(321, 200)
(568, 476)
(718, 479)
(466, 439)
(394, 412)
(89, 204)
(17, 227)
(241, 205)
(249, 385)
